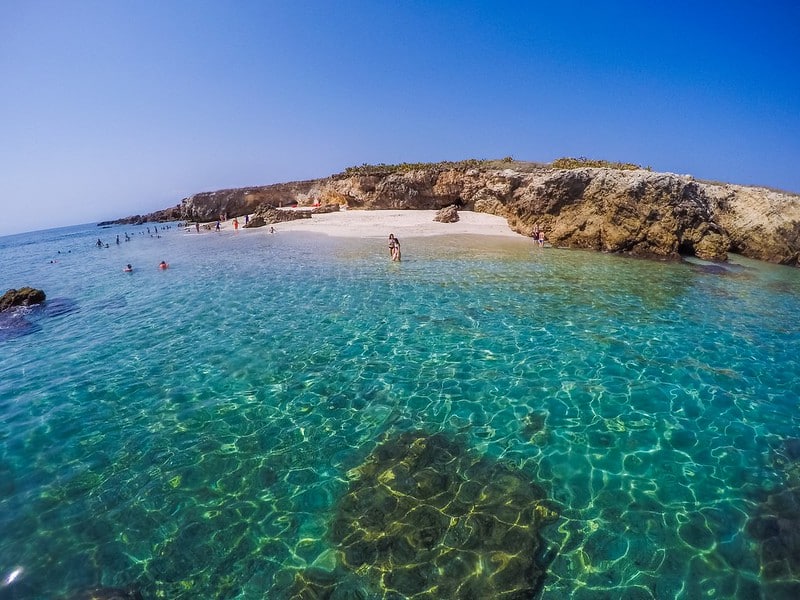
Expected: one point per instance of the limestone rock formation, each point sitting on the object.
(207, 206)
(448, 214)
(266, 215)
(25, 296)
(168, 214)
(627, 210)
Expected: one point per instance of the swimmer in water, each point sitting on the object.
(128, 268)
(163, 265)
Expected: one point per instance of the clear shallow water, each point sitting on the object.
(192, 431)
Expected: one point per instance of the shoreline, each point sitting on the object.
(380, 223)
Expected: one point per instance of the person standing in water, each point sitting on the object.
(394, 247)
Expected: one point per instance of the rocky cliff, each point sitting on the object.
(628, 210)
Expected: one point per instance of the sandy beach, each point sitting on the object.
(403, 223)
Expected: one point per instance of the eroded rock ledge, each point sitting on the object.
(633, 211)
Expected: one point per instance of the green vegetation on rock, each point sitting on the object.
(384, 169)
(567, 162)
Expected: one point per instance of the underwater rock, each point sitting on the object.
(425, 518)
(22, 319)
(775, 525)
(711, 269)
(25, 296)
(14, 325)
(109, 594)
(791, 448)
(57, 307)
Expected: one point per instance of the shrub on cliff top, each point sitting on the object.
(576, 163)
(384, 169)
(461, 165)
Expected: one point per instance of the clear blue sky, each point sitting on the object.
(112, 108)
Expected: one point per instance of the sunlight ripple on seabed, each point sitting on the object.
(226, 428)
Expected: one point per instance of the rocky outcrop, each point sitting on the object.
(208, 206)
(25, 296)
(449, 214)
(633, 211)
(266, 215)
(612, 210)
(160, 216)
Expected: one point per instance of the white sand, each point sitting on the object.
(402, 223)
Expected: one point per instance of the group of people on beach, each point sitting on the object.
(217, 225)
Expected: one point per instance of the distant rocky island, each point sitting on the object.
(578, 202)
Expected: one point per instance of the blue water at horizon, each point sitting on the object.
(192, 431)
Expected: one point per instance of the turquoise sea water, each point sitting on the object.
(191, 432)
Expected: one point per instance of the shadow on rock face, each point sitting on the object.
(425, 518)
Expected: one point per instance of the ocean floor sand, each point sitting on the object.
(403, 223)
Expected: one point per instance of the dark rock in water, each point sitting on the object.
(449, 214)
(776, 527)
(25, 296)
(116, 303)
(534, 422)
(792, 448)
(109, 594)
(425, 518)
(57, 307)
(14, 324)
(711, 269)
(23, 319)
